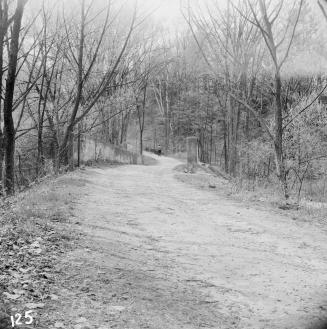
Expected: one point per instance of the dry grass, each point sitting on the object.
(313, 207)
(40, 209)
(315, 190)
(49, 200)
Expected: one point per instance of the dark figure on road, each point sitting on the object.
(159, 149)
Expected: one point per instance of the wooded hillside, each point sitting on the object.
(247, 78)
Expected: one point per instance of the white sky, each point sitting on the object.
(169, 10)
(166, 11)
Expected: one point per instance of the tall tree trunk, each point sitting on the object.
(54, 142)
(211, 143)
(9, 129)
(233, 117)
(166, 117)
(1, 152)
(141, 142)
(40, 158)
(278, 144)
(56, 156)
(3, 31)
(141, 115)
(66, 142)
(225, 150)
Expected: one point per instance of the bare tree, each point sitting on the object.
(9, 128)
(231, 47)
(5, 22)
(264, 19)
(84, 70)
(262, 16)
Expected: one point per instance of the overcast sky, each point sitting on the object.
(169, 10)
(165, 11)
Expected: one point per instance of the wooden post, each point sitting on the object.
(192, 153)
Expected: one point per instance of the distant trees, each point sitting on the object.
(145, 66)
(246, 47)
(162, 91)
(232, 49)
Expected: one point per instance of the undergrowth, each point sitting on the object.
(259, 194)
(34, 234)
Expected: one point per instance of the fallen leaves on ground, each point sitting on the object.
(30, 247)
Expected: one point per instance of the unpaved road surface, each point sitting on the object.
(160, 254)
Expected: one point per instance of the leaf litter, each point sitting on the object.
(31, 245)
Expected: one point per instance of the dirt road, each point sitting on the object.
(160, 254)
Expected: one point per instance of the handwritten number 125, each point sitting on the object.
(16, 320)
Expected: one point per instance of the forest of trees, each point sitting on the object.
(248, 78)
